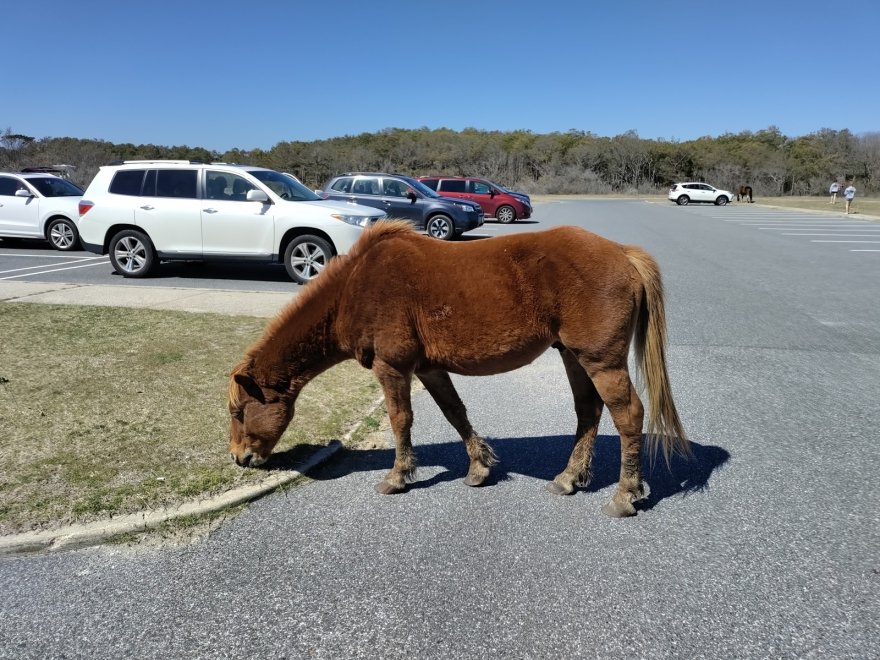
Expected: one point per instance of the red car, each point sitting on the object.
(497, 202)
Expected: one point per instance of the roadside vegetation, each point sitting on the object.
(574, 162)
(107, 411)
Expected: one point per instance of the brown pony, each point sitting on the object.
(744, 191)
(401, 303)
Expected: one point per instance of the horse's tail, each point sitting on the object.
(649, 343)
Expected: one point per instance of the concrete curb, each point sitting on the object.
(79, 536)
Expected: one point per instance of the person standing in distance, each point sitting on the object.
(849, 194)
(833, 190)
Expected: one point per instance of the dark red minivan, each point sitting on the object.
(497, 202)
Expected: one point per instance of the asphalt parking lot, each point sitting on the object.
(764, 546)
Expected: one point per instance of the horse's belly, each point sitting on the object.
(491, 360)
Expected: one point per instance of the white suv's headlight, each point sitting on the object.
(356, 220)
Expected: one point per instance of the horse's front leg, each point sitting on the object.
(441, 389)
(396, 386)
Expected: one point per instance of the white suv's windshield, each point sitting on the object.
(284, 186)
(54, 187)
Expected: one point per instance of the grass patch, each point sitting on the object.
(107, 411)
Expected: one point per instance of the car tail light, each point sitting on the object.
(85, 207)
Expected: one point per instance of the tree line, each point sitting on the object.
(550, 163)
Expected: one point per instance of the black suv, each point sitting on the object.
(407, 198)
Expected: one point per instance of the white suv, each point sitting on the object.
(38, 205)
(144, 212)
(685, 193)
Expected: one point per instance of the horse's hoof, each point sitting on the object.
(385, 488)
(475, 480)
(558, 489)
(615, 509)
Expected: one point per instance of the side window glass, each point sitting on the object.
(366, 186)
(127, 182)
(217, 185)
(8, 186)
(240, 187)
(342, 184)
(394, 188)
(431, 183)
(176, 183)
(481, 188)
(452, 186)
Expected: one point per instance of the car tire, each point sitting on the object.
(132, 253)
(721, 201)
(63, 235)
(505, 214)
(441, 226)
(305, 257)
(684, 200)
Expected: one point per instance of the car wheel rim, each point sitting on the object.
(61, 235)
(308, 260)
(130, 254)
(505, 215)
(439, 229)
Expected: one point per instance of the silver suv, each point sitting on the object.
(145, 212)
(39, 205)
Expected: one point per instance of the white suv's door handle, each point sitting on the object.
(210, 210)
(147, 207)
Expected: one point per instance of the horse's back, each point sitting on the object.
(485, 306)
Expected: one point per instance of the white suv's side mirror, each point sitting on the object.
(257, 196)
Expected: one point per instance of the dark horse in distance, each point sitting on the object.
(405, 304)
(743, 193)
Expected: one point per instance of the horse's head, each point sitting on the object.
(259, 416)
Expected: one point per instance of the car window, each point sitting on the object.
(51, 186)
(451, 185)
(342, 184)
(366, 185)
(127, 182)
(431, 183)
(217, 185)
(286, 186)
(394, 188)
(240, 188)
(481, 188)
(176, 183)
(8, 186)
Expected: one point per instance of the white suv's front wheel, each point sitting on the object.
(132, 253)
(305, 258)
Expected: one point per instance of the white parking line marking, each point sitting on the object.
(53, 270)
(64, 264)
(864, 250)
(824, 234)
(818, 241)
(44, 256)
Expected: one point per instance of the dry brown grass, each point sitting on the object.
(108, 410)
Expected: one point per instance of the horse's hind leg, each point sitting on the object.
(618, 393)
(441, 389)
(588, 407)
(396, 386)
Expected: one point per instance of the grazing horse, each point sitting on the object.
(744, 191)
(405, 304)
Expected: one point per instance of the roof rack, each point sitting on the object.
(157, 160)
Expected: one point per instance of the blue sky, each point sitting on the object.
(230, 74)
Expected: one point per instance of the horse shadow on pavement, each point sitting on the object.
(538, 457)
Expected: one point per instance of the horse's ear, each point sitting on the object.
(250, 386)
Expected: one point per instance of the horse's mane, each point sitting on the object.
(333, 276)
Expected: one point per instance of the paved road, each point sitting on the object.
(765, 546)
